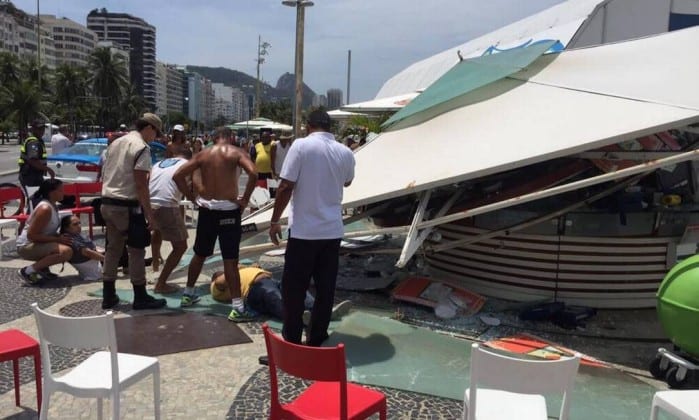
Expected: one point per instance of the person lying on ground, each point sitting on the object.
(39, 240)
(262, 294)
(86, 258)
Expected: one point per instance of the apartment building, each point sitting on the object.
(138, 37)
(73, 42)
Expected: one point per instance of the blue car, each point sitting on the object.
(80, 162)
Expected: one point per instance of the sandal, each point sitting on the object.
(166, 289)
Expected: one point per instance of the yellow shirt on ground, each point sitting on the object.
(248, 275)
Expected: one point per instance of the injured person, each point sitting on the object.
(262, 294)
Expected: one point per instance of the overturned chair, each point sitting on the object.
(504, 387)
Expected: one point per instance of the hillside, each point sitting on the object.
(283, 90)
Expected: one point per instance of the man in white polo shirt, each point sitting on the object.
(314, 173)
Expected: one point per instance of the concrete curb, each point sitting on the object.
(14, 171)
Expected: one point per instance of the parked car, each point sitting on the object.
(80, 162)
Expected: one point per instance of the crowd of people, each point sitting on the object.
(140, 207)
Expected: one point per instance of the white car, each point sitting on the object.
(80, 162)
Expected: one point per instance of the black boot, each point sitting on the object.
(143, 300)
(109, 296)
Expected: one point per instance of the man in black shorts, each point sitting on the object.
(219, 213)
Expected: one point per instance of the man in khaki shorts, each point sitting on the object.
(165, 199)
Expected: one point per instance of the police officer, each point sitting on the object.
(32, 158)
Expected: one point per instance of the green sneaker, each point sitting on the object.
(32, 279)
(241, 316)
(189, 300)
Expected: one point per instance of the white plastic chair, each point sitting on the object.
(104, 373)
(7, 223)
(504, 387)
(684, 405)
(189, 207)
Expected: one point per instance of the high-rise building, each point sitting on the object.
(334, 98)
(320, 100)
(175, 94)
(73, 42)
(223, 102)
(160, 88)
(240, 106)
(18, 35)
(138, 37)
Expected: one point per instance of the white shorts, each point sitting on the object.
(89, 270)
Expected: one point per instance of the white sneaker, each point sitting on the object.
(306, 318)
(340, 310)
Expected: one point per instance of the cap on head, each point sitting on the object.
(319, 118)
(178, 127)
(153, 120)
(285, 135)
(38, 123)
(122, 127)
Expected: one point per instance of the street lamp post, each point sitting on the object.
(261, 52)
(298, 67)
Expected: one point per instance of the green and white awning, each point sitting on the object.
(449, 91)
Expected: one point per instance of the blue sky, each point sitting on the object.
(385, 36)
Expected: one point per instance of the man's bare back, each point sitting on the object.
(218, 174)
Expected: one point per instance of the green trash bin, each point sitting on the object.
(678, 305)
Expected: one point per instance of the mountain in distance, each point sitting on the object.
(284, 89)
(287, 83)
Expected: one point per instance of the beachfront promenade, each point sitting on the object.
(210, 383)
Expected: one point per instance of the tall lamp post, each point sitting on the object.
(300, 6)
(261, 52)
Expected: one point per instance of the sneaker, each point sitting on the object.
(189, 300)
(263, 360)
(340, 310)
(149, 302)
(241, 316)
(32, 279)
(48, 274)
(306, 317)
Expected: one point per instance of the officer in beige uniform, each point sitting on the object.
(127, 211)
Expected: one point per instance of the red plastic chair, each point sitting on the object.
(331, 396)
(15, 344)
(10, 193)
(83, 188)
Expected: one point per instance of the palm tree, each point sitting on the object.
(25, 103)
(132, 106)
(109, 82)
(71, 92)
(9, 69)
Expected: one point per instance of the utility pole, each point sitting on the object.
(349, 70)
(38, 45)
(300, 6)
(261, 52)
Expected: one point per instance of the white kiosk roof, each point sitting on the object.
(562, 104)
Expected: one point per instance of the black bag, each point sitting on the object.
(97, 212)
(138, 235)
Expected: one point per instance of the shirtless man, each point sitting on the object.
(178, 144)
(220, 209)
